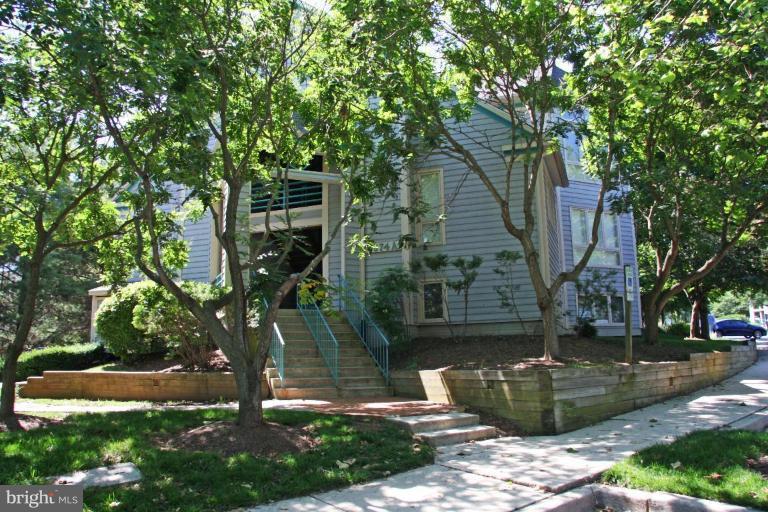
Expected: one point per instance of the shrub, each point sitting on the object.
(115, 325)
(385, 301)
(585, 328)
(161, 316)
(681, 329)
(68, 357)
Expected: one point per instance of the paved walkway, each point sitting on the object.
(513, 473)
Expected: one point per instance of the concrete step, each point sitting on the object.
(305, 393)
(428, 422)
(365, 391)
(457, 435)
(359, 371)
(312, 371)
(344, 361)
(361, 382)
(303, 382)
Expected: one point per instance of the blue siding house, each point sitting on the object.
(462, 220)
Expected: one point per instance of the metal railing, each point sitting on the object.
(277, 347)
(300, 193)
(372, 336)
(326, 342)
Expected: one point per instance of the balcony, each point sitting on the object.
(300, 194)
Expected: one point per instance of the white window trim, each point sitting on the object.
(601, 236)
(441, 213)
(422, 319)
(610, 322)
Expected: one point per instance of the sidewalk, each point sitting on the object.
(511, 473)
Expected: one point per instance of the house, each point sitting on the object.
(461, 220)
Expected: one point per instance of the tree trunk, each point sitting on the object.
(551, 338)
(704, 317)
(250, 412)
(26, 307)
(695, 324)
(651, 317)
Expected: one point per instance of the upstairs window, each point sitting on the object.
(606, 253)
(430, 227)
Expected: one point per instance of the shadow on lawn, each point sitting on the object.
(197, 481)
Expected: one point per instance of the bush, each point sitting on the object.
(163, 317)
(68, 357)
(114, 322)
(585, 328)
(681, 329)
(144, 318)
(385, 302)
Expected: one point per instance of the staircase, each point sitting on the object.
(306, 375)
(445, 429)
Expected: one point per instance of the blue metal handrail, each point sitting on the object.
(326, 342)
(277, 347)
(372, 336)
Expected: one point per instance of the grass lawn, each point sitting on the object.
(197, 481)
(707, 464)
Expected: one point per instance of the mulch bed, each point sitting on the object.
(226, 438)
(504, 426)
(522, 352)
(31, 422)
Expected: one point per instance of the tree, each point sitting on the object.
(444, 57)
(694, 146)
(467, 275)
(54, 172)
(219, 96)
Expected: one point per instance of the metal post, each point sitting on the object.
(629, 290)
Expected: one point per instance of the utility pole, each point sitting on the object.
(629, 293)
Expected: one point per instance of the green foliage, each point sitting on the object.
(198, 481)
(585, 328)
(680, 329)
(711, 464)
(115, 321)
(160, 316)
(143, 318)
(70, 357)
(733, 304)
(468, 274)
(386, 299)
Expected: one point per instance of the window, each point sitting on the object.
(606, 309)
(572, 159)
(606, 254)
(432, 300)
(430, 227)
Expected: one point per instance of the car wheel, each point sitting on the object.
(719, 334)
(758, 334)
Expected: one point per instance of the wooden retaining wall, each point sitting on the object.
(153, 386)
(561, 400)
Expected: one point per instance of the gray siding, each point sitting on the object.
(582, 194)
(473, 224)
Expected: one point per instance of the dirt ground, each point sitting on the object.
(519, 352)
(158, 363)
(31, 422)
(226, 438)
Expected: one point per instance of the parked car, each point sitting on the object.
(739, 328)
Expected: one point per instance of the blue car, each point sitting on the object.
(738, 328)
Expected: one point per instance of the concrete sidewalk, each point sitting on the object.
(512, 473)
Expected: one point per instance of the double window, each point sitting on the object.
(606, 253)
(430, 227)
(604, 309)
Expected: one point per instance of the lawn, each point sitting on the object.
(196, 481)
(717, 465)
